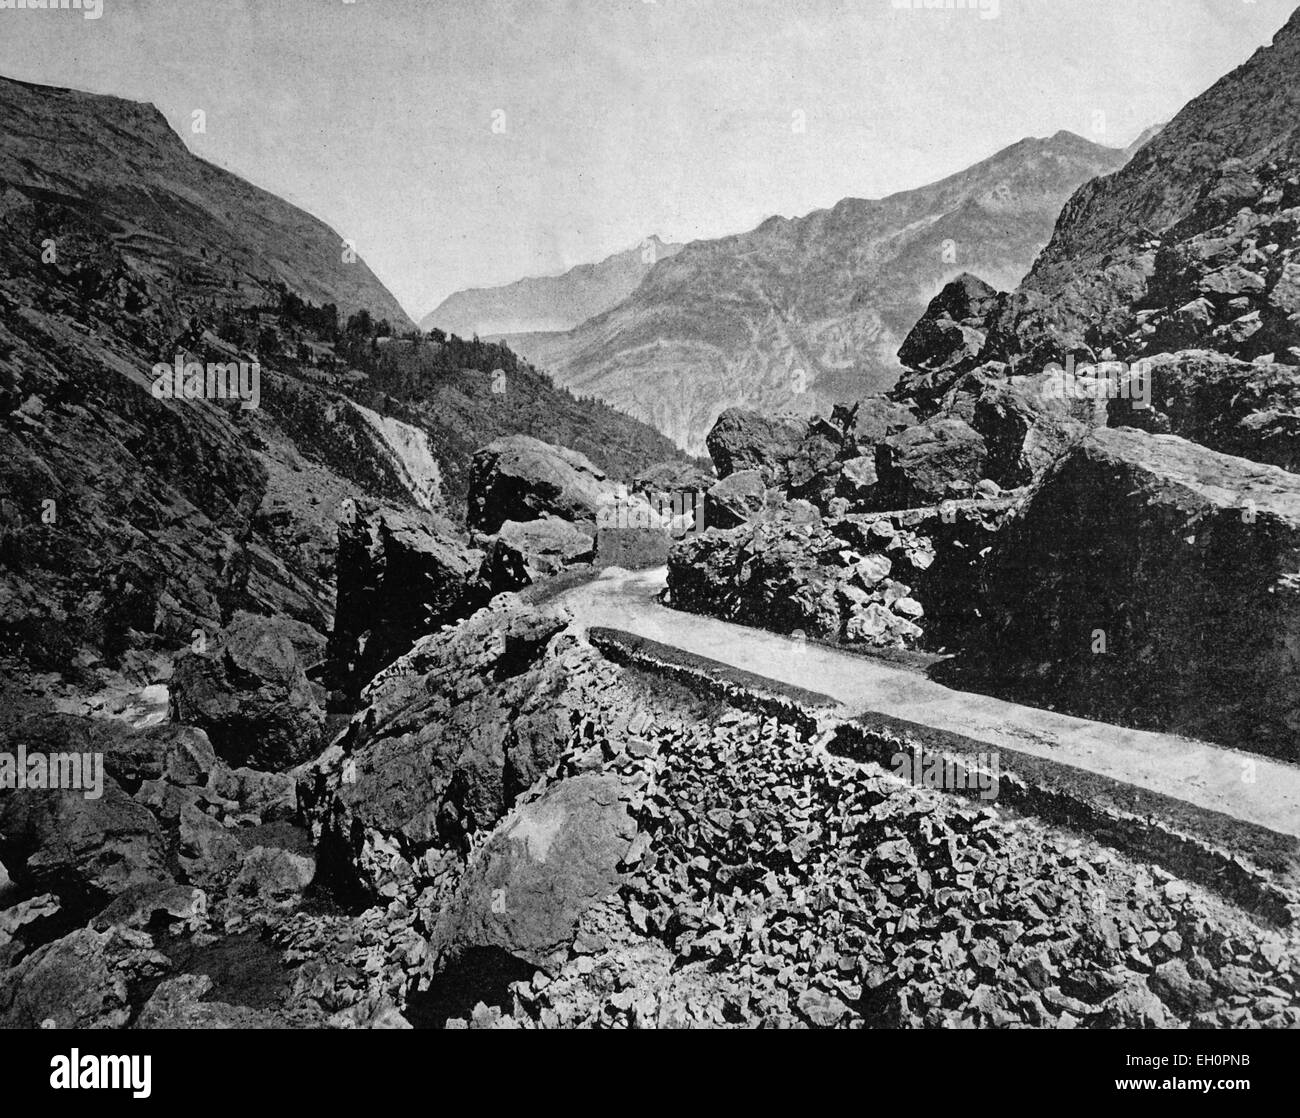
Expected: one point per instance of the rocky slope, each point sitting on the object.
(134, 522)
(544, 304)
(169, 212)
(802, 313)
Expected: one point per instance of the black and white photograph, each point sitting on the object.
(650, 514)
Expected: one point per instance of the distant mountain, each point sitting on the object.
(801, 313)
(548, 303)
(1147, 135)
(131, 517)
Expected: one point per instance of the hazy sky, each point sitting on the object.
(621, 117)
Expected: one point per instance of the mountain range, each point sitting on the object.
(545, 304)
(801, 313)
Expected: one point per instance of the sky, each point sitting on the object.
(463, 143)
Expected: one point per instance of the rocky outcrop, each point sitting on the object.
(743, 440)
(550, 860)
(919, 466)
(1152, 581)
(521, 478)
(1249, 409)
(902, 580)
(401, 576)
(251, 695)
(521, 554)
(452, 733)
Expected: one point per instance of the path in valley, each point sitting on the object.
(1207, 776)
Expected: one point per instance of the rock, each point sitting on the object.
(1186, 995)
(1232, 406)
(822, 1009)
(179, 907)
(251, 695)
(176, 1004)
(69, 982)
(208, 851)
(549, 862)
(400, 577)
(1025, 429)
(453, 732)
(84, 850)
(523, 553)
(737, 499)
(274, 878)
(742, 440)
(1151, 580)
(521, 478)
(857, 478)
(947, 339)
(672, 477)
(916, 466)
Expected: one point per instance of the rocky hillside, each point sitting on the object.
(801, 313)
(542, 304)
(169, 212)
(1095, 262)
(132, 520)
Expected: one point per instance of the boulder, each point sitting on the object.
(744, 440)
(453, 732)
(1250, 409)
(737, 499)
(523, 553)
(251, 696)
(70, 982)
(1025, 429)
(84, 850)
(401, 576)
(549, 861)
(917, 466)
(521, 478)
(949, 337)
(1152, 581)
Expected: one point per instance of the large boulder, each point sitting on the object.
(453, 732)
(85, 845)
(1153, 581)
(1251, 409)
(521, 478)
(920, 465)
(251, 695)
(68, 984)
(744, 440)
(738, 498)
(1025, 428)
(401, 576)
(948, 339)
(549, 861)
(523, 553)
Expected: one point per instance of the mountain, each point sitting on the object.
(801, 313)
(168, 209)
(1115, 246)
(132, 516)
(548, 303)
